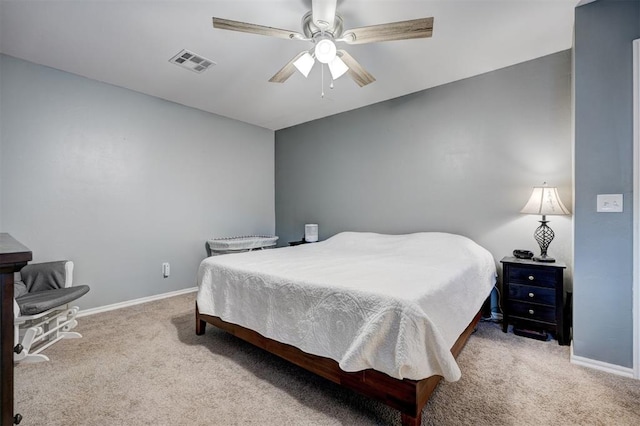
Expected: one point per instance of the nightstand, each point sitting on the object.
(533, 296)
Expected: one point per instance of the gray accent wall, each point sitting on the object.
(603, 306)
(120, 182)
(461, 158)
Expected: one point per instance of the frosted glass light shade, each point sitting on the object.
(337, 67)
(325, 50)
(304, 64)
(545, 200)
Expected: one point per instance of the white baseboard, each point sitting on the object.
(99, 309)
(602, 366)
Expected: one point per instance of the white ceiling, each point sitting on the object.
(129, 44)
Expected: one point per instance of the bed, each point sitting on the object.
(384, 315)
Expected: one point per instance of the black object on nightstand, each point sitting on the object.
(533, 298)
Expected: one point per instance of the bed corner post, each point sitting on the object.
(200, 324)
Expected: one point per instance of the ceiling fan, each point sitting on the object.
(324, 27)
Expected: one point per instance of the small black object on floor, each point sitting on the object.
(533, 334)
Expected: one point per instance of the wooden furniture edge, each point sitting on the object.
(408, 396)
(13, 256)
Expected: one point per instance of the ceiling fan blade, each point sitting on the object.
(323, 12)
(356, 72)
(286, 71)
(243, 27)
(403, 30)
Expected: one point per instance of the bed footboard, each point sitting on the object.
(408, 396)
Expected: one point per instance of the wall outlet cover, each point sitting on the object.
(609, 203)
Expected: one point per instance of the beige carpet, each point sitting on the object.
(144, 365)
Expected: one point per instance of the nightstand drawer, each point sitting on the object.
(533, 312)
(533, 276)
(528, 293)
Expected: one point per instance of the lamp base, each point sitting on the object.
(544, 235)
(544, 258)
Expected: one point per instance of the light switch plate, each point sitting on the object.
(609, 203)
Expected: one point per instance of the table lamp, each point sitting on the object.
(544, 201)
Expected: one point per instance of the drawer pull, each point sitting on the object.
(531, 295)
(531, 278)
(531, 311)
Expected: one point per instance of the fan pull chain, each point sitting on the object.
(322, 82)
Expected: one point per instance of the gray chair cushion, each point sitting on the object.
(19, 288)
(44, 276)
(41, 301)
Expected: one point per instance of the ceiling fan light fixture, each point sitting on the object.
(325, 50)
(324, 27)
(337, 67)
(304, 64)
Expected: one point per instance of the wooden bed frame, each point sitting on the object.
(408, 396)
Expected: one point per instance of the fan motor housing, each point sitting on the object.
(310, 29)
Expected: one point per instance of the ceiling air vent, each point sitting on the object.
(191, 61)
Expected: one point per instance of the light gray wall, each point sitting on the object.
(603, 318)
(460, 158)
(120, 182)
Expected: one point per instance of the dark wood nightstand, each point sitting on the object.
(533, 297)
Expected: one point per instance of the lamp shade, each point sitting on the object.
(545, 200)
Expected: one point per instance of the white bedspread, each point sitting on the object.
(394, 303)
